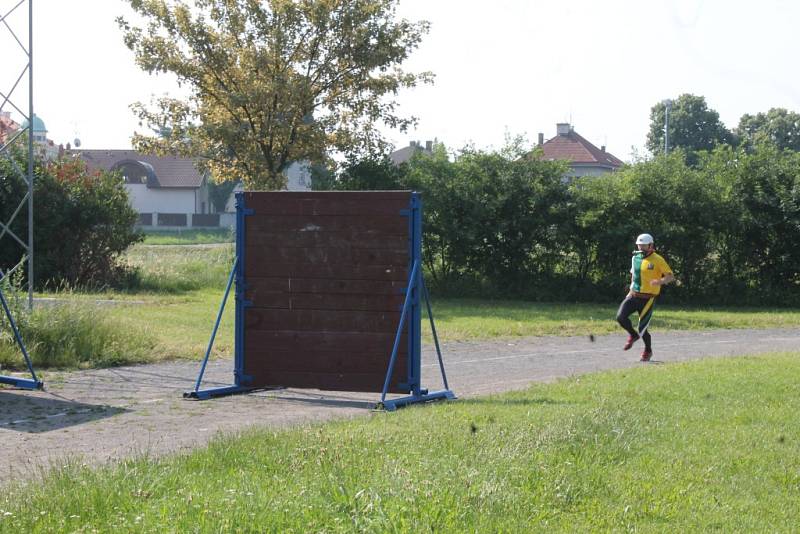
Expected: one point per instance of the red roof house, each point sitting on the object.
(584, 158)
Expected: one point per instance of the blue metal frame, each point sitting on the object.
(415, 291)
(23, 383)
(241, 380)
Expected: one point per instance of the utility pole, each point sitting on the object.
(667, 108)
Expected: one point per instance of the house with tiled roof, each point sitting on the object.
(584, 158)
(166, 191)
(170, 191)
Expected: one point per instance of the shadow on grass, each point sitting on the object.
(39, 412)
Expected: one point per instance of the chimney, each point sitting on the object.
(541, 138)
(603, 149)
(429, 146)
(413, 144)
(563, 128)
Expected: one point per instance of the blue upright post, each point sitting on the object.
(412, 312)
(23, 383)
(241, 381)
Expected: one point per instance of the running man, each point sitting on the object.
(649, 272)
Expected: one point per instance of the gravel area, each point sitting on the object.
(102, 415)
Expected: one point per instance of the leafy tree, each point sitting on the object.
(272, 82)
(778, 126)
(372, 174)
(693, 126)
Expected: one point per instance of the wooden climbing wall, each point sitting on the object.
(325, 276)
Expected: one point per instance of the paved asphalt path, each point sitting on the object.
(100, 415)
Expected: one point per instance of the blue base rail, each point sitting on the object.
(22, 383)
(391, 405)
(205, 394)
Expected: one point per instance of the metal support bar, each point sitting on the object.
(433, 329)
(403, 316)
(19, 382)
(216, 326)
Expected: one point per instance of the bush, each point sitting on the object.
(82, 223)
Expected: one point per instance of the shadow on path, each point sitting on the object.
(46, 412)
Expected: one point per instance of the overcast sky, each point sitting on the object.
(503, 66)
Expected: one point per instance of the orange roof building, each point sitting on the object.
(584, 158)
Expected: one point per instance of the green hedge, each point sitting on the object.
(508, 224)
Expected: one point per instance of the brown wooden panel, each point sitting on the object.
(328, 203)
(286, 340)
(321, 320)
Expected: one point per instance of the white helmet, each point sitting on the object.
(644, 239)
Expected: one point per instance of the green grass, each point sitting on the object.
(178, 269)
(458, 319)
(188, 237)
(74, 335)
(697, 447)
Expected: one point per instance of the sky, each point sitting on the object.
(502, 67)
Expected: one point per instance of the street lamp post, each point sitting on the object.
(667, 108)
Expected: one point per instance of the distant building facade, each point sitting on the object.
(43, 147)
(404, 154)
(584, 158)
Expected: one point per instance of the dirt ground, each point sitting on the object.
(102, 415)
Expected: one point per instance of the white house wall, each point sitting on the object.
(147, 200)
(299, 177)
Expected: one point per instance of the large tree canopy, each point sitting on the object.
(777, 126)
(272, 82)
(693, 126)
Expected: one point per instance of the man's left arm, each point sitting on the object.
(666, 278)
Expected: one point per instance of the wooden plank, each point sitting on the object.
(323, 301)
(328, 203)
(324, 361)
(343, 342)
(321, 320)
(259, 265)
(353, 287)
(325, 381)
(345, 239)
(359, 256)
(382, 224)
